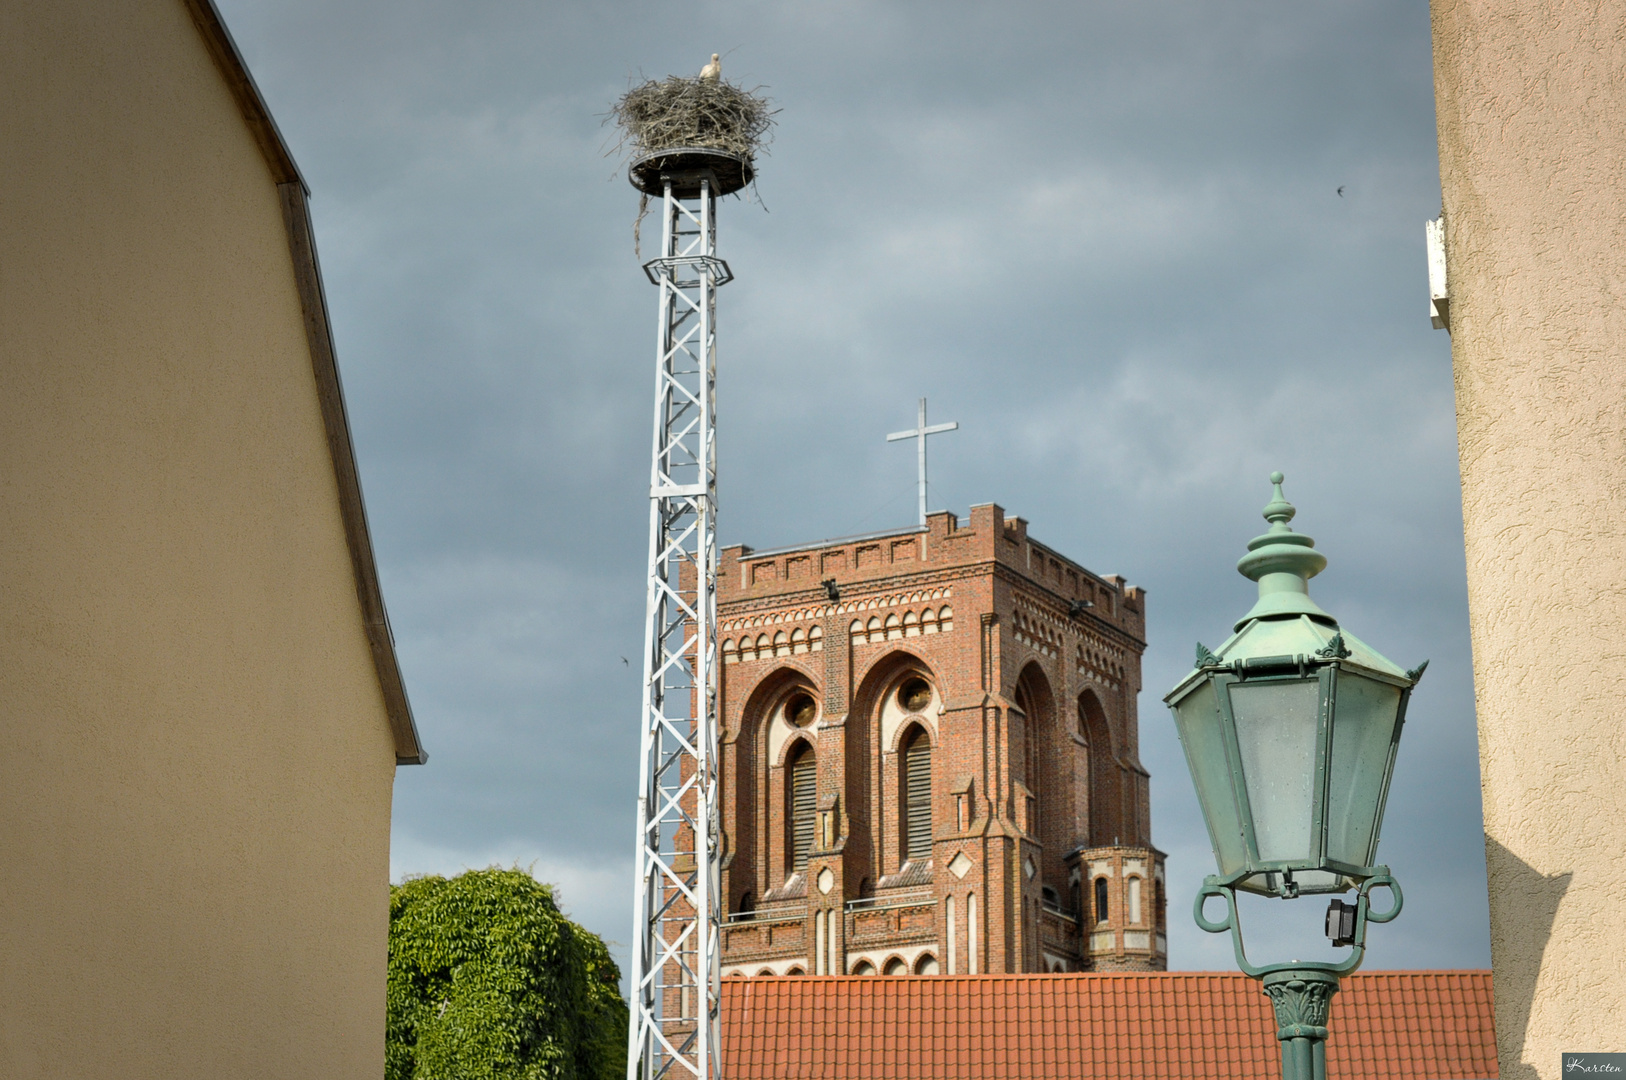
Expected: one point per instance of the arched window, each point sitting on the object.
(1104, 809)
(895, 966)
(747, 906)
(864, 967)
(1134, 901)
(801, 775)
(1033, 699)
(926, 965)
(1030, 742)
(916, 761)
(1101, 912)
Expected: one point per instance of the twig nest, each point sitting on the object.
(663, 120)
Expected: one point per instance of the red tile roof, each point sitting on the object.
(1405, 1025)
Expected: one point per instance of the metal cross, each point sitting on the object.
(920, 433)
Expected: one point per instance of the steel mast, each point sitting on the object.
(676, 971)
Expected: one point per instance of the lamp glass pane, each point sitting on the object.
(1276, 732)
(1363, 725)
(1202, 735)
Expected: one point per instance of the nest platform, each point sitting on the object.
(685, 167)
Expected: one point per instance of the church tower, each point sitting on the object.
(930, 758)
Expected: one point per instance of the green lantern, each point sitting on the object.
(1290, 730)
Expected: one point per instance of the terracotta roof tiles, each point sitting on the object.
(1396, 1025)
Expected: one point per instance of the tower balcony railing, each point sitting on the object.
(1057, 910)
(760, 916)
(882, 903)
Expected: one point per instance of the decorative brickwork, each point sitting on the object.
(1008, 672)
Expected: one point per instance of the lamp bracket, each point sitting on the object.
(1213, 886)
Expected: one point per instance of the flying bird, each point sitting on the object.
(624, 662)
(1340, 191)
(713, 70)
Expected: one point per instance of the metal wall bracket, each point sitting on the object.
(1439, 296)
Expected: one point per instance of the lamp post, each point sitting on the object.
(1290, 730)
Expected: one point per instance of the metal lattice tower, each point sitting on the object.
(676, 946)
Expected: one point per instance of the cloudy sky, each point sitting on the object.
(1106, 238)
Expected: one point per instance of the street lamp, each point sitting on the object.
(1290, 730)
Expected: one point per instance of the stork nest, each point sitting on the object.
(707, 113)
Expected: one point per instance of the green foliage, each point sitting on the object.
(489, 981)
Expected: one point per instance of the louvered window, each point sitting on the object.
(917, 797)
(803, 784)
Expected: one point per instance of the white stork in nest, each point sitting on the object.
(712, 71)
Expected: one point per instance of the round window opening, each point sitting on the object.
(915, 695)
(800, 709)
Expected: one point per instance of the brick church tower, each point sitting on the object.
(930, 758)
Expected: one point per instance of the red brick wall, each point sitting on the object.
(1013, 787)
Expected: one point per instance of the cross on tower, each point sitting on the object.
(920, 432)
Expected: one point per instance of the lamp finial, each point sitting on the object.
(1282, 562)
(1279, 511)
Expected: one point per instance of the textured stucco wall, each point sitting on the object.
(1532, 132)
(195, 761)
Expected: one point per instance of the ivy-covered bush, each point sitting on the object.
(489, 981)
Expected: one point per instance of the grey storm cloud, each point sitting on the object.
(1105, 238)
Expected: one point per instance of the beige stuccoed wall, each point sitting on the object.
(1531, 105)
(195, 762)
